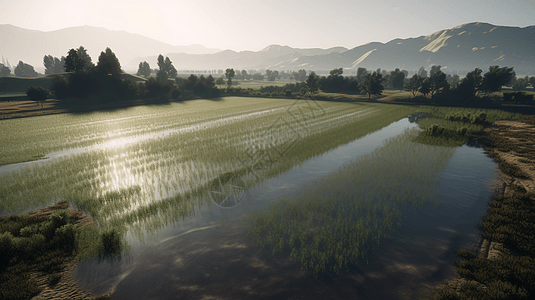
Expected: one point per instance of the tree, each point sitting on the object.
(414, 84)
(301, 75)
(471, 83)
(220, 81)
(372, 84)
(453, 80)
(397, 79)
(437, 81)
(434, 69)
(532, 81)
(312, 83)
(4, 71)
(109, 64)
(38, 94)
(495, 78)
(422, 72)
(78, 61)
(337, 72)
(54, 65)
(361, 74)
(512, 81)
(425, 87)
(144, 69)
(25, 70)
(82, 54)
(229, 73)
(167, 70)
(521, 84)
(60, 87)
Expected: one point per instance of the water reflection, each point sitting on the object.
(450, 195)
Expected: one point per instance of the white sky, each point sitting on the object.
(253, 25)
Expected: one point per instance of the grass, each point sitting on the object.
(21, 84)
(338, 220)
(256, 84)
(42, 244)
(148, 163)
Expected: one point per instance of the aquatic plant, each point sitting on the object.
(151, 166)
(335, 222)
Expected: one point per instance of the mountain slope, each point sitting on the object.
(31, 46)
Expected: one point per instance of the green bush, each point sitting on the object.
(111, 242)
(37, 93)
(288, 93)
(517, 97)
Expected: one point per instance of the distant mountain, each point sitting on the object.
(31, 46)
(457, 50)
(464, 47)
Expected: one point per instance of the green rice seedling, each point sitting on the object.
(125, 185)
(335, 223)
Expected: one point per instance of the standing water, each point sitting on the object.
(209, 255)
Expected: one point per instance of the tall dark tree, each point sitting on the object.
(82, 54)
(25, 70)
(144, 69)
(471, 83)
(4, 71)
(167, 70)
(437, 81)
(425, 87)
(532, 81)
(434, 69)
(413, 85)
(109, 64)
(397, 79)
(313, 82)
(495, 78)
(229, 73)
(48, 62)
(78, 61)
(372, 85)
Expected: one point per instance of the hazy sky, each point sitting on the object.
(252, 25)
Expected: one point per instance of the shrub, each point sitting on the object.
(288, 93)
(517, 97)
(432, 130)
(111, 242)
(60, 87)
(37, 93)
(175, 94)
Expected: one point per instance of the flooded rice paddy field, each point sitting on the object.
(255, 198)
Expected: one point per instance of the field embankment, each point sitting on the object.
(504, 268)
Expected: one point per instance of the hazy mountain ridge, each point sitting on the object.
(31, 46)
(457, 49)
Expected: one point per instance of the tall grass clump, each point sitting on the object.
(336, 222)
(509, 221)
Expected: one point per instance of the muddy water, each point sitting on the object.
(209, 256)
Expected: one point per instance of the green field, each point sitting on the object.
(144, 164)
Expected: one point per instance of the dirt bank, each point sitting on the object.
(512, 145)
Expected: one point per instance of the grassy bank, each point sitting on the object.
(43, 243)
(504, 268)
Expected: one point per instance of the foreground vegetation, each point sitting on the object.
(147, 164)
(43, 244)
(335, 224)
